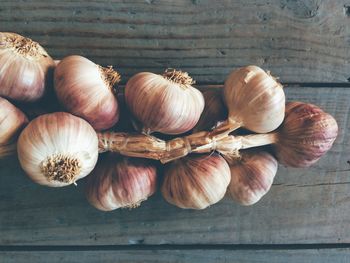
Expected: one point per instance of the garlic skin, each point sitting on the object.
(86, 90)
(196, 181)
(307, 133)
(251, 176)
(25, 68)
(121, 182)
(214, 111)
(12, 121)
(57, 149)
(166, 104)
(255, 100)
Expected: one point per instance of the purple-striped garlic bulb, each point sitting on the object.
(12, 121)
(86, 90)
(164, 103)
(25, 68)
(196, 181)
(214, 111)
(306, 134)
(251, 176)
(121, 182)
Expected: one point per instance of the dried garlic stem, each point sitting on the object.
(134, 145)
(24, 46)
(224, 128)
(256, 140)
(146, 146)
(109, 76)
(200, 142)
(61, 168)
(178, 77)
(203, 143)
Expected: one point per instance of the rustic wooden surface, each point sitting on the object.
(299, 40)
(304, 206)
(182, 256)
(305, 43)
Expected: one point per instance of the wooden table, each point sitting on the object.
(306, 215)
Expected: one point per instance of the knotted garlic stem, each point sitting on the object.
(146, 146)
(133, 145)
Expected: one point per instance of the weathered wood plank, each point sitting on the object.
(304, 206)
(183, 256)
(300, 41)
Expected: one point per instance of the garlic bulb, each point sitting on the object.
(251, 176)
(255, 100)
(57, 149)
(164, 103)
(86, 90)
(25, 68)
(214, 111)
(118, 182)
(12, 121)
(7, 149)
(196, 181)
(306, 134)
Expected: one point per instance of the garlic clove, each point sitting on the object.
(307, 133)
(86, 90)
(164, 103)
(25, 68)
(57, 149)
(196, 181)
(121, 182)
(251, 176)
(255, 100)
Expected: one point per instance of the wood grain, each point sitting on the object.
(304, 205)
(299, 41)
(181, 256)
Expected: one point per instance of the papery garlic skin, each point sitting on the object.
(307, 133)
(86, 90)
(251, 176)
(25, 68)
(255, 100)
(57, 149)
(121, 182)
(163, 105)
(196, 181)
(214, 111)
(12, 121)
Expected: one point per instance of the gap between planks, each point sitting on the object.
(287, 84)
(232, 247)
(203, 86)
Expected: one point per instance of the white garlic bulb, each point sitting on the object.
(57, 149)
(255, 100)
